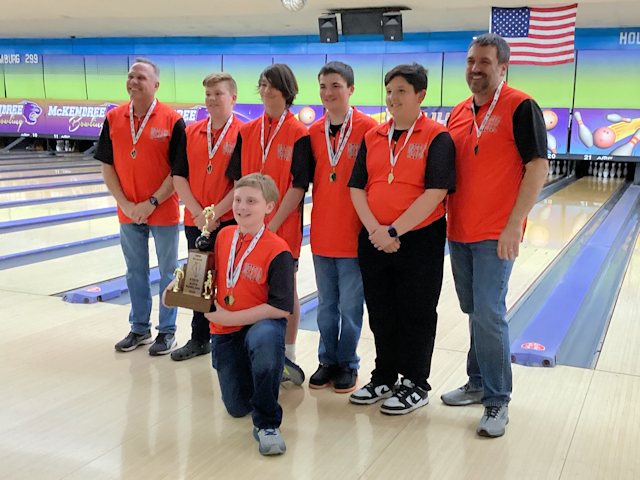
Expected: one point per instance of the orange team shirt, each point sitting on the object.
(288, 163)
(426, 162)
(488, 183)
(208, 187)
(266, 277)
(334, 222)
(161, 144)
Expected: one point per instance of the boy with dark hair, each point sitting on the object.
(335, 140)
(254, 280)
(277, 144)
(402, 173)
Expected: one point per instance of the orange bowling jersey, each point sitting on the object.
(208, 187)
(288, 163)
(161, 145)
(334, 222)
(266, 277)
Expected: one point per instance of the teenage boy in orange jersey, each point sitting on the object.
(335, 141)
(200, 181)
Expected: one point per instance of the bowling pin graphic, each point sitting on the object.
(626, 150)
(584, 134)
(590, 172)
(615, 118)
(551, 143)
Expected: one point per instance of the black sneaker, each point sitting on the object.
(192, 348)
(406, 398)
(345, 380)
(292, 372)
(370, 393)
(163, 344)
(133, 340)
(323, 376)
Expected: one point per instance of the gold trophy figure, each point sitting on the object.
(208, 286)
(179, 274)
(203, 242)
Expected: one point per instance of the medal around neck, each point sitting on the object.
(194, 288)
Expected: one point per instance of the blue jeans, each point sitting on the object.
(249, 364)
(482, 280)
(340, 309)
(134, 240)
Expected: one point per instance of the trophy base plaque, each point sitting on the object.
(195, 284)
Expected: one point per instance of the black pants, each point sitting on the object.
(402, 290)
(199, 324)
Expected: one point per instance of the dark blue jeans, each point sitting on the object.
(249, 364)
(481, 280)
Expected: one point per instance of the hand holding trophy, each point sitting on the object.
(194, 286)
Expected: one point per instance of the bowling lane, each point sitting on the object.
(52, 193)
(48, 180)
(551, 225)
(48, 172)
(55, 208)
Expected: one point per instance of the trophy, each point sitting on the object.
(194, 288)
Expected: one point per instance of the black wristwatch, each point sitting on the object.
(392, 232)
(154, 201)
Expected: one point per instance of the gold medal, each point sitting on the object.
(391, 177)
(229, 299)
(209, 168)
(332, 177)
(133, 152)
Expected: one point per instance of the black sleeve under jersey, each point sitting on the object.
(301, 163)
(359, 174)
(104, 151)
(234, 168)
(529, 131)
(441, 164)
(178, 150)
(280, 281)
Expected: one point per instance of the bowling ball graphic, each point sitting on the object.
(306, 115)
(604, 137)
(550, 119)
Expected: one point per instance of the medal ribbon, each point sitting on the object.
(136, 136)
(334, 157)
(265, 152)
(234, 274)
(212, 151)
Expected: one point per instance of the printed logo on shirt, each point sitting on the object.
(416, 150)
(159, 134)
(251, 272)
(353, 149)
(228, 148)
(492, 124)
(285, 152)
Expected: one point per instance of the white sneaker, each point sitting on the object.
(370, 394)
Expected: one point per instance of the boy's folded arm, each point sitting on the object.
(244, 317)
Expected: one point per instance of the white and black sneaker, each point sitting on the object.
(370, 393)
(133, 341)
(406, 398)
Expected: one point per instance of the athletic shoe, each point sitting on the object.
(163, 344)
(133, 340)
(323, 377)
(345, 380)
(292, 372)
(370, 394)
(406, 398)
(465, 395)
(270, 441)
(493, 422)
(192, 348)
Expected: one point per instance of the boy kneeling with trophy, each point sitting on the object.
(254, 295)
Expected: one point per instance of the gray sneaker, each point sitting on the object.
(292, 372)
(164, 343)
(465, 395)
(270, 441)
(493, 422)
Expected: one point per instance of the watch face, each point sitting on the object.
(154, 201)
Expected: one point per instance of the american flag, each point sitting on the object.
(537, 36)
